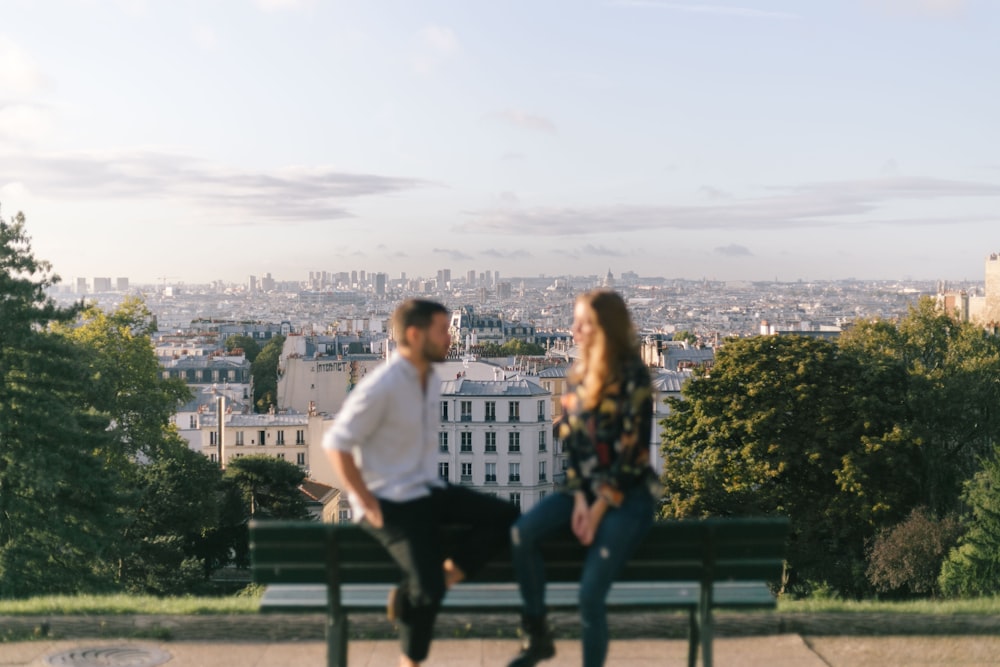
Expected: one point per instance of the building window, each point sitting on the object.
(466, 408)
(514, 411)
(261, 436)
(466, 442)
(197, 376)
(444, 411)
(300, 459)
(213, 438)
(467, 472)
(541, 494)
(514, 472)
(281, 438)
(215, 376)
(281, 455)
(239, 438)
(541, 471)
(443, 441)
(491, 441)
(443, 470)
(300, 437)
(491, 473)
(513, 441)
(194, 422)
(231, 376)
(515, 499)
(564, 464)
(541, 411)
(344, 515)
(541, 441)
(491, 411)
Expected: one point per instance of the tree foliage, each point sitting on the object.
(265, 374)
(906, 559)
(846, 438)
(250, 347)
(57, 492)
(973, 567)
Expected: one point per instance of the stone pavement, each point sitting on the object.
(782, 650)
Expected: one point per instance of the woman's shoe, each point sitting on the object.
(537, 645)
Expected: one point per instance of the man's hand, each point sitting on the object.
(372, 509)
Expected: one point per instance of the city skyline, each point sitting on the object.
(745, 140)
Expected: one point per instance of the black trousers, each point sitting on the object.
(411, 534)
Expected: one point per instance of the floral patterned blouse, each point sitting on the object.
(608, 447)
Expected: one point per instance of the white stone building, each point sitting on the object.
(496, 436)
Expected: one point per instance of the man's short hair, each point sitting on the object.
(414, 313)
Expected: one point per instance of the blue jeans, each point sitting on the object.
(618, 534)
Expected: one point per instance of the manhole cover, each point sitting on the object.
(109, 656)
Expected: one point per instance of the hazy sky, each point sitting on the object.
(728, 139)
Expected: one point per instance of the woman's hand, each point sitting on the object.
(587, 519)
(580, 521)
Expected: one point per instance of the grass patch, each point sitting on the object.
(114, 605)
(986, 606)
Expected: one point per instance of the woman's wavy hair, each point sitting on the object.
(614, 342)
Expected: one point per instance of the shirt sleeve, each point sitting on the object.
(358, 418)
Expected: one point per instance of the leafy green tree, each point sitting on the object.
(268, 487)
(176, 508)
(265, 374)
(943, 400)
(973, 567)
(126, 379)
(249, 346)
(845, 438)
(766, 433)
(259, 487)
(57, 492)
(517, 347)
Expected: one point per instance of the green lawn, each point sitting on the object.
(129, 604)
(247, 604)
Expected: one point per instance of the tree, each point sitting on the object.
(268, 487)
(846, 438)
(265, 374)
(249, 346)
(126, 380)
(907, 557)
(58, 495)
(259, 487)
(176, 508)
(973, 567)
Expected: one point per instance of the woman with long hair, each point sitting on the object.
(606, 498)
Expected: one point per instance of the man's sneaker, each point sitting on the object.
(394, 605)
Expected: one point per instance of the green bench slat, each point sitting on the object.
(559, 595)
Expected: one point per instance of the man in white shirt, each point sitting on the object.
(383, 445)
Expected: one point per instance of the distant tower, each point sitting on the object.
(609, 280)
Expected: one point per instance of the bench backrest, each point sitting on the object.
(706, 550)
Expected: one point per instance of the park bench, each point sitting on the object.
(695, 565)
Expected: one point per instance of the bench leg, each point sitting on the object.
(336, 640)
(706, 636)
(693, 637)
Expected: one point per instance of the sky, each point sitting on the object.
(200, 140)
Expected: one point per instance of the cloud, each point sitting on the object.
(813, 205)
(232, 196)
(19, 76)
(733, 250)
(717, 10)
(714, 193)
(524, 120)
(508, 198)
(455, 255)
(600, 251)
(506, 254)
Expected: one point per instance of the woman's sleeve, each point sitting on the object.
(631, 456)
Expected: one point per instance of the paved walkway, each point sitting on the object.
(783, 650)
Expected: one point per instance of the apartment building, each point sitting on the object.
(496, 436)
